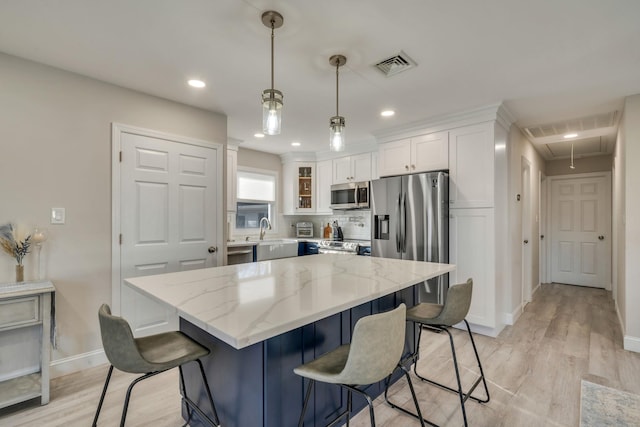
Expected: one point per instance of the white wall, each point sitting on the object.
(520, 147)
(630, 221)
(582, 165)
(618, 224)
(55, 133)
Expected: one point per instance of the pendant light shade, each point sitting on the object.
(272, 98)
(336, 123)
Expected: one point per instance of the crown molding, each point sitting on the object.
(493, 112)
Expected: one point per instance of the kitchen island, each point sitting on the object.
(263, 319)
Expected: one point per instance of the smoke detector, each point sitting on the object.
(396, 64)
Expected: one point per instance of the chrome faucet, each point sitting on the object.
(263, 229)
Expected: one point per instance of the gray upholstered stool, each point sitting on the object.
(375, 350)
(149, 356)
(439, 318)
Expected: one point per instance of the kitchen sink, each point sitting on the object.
(276, 248)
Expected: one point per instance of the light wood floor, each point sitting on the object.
(534, 369)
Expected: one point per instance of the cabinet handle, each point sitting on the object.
(600, 237)
(413, 166)
(406, 167)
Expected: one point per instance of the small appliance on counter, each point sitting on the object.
(304, 229)
(337, 232)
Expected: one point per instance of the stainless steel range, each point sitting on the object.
(338, 247)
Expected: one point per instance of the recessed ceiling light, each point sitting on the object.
(387, 113)
(259, 135)
(295, 144)
(196, 83)
(570, 135)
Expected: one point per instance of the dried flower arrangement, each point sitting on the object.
(12, 245)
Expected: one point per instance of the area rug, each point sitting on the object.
(604, 406)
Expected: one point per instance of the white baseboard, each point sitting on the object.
(482, 330)
(512, 318)
(632, 343)
(77, 363)
(535, 290)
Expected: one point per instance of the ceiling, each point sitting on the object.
(547, 60)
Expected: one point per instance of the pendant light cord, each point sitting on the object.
(272, 38)
(337, 86)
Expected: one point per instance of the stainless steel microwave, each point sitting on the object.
(353, 195)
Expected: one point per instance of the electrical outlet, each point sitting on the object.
(58, 215)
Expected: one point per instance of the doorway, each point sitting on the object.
(527, 237)
(165, 192)
(580, 229)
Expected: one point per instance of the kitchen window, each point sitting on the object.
(256, 199)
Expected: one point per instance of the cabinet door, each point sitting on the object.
(324, 170)
(394, 157)
(471, 166)
(342, 170)
(361, 167)
(232, 180)
(430, 152)
(304, 187)
(374, 165)
(289, 191)
(471, 249)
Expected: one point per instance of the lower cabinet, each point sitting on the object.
(472, 250)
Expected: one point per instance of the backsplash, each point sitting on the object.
(355, 224)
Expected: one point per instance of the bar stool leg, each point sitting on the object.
(104, 392)
(484, 381)
(306, 401)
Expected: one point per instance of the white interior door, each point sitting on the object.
(169, 191)
(581, 230)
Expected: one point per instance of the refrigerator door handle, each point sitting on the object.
(398, 225)
(403, 221)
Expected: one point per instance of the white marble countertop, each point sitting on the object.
(11, 290)
(247, 303)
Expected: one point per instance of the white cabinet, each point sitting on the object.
(25, 327)
(299, 188)
(472, 250)
(324, 179)
(352, 168)
(471, 166)
(232, 178)
(416, 154)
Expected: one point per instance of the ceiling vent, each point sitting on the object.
(396, 64)
(590, 123)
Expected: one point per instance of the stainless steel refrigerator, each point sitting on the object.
(410, 220)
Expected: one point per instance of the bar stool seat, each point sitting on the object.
(439, 318)
(149, 356)
(373, 355)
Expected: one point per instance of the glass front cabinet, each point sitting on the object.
(299, 184)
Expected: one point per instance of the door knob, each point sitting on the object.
(212, 249)
(526, 241)
(600, 237)
(541, 236)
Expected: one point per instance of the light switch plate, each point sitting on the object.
(57, 215)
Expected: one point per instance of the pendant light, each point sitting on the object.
(571, 166)
(336, 123)
(272, 98)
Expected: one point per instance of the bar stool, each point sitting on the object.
(375, 350)
(149, 356)
(438, 318)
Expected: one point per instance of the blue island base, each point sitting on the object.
(256, 386)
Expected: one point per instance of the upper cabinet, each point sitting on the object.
(299, 190)
(232, 178)
(417, 154)
(324, 179)
(352, 168)
(471, 166)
